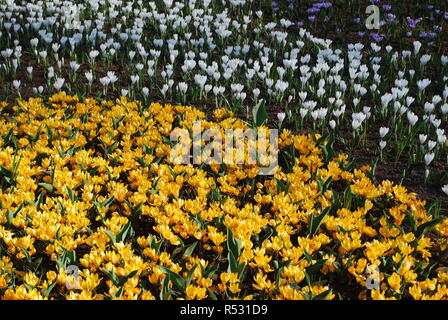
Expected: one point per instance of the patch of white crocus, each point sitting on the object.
(209, 51)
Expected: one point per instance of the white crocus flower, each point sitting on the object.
(428, 158)
(303, 112)
(74, 66)
(444, 108)
(134, 79)
(145, 92)
(422, 138)
(429, 107)
(59, 83)
(200, 80)
(112, 77)
(89, 76)
(16, 84)
(93, 54)
(356, 124)
(412, 118)
(256, 93)
(281, 116)
(417, 46)
(445, 189)
(182, 87)
(105, 81)
(383, 132)
(423, 84)
(444, 60)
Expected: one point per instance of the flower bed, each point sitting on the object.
(93, 208)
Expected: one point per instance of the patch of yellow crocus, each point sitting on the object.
(89, 185)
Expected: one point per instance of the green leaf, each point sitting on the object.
(233, 263)
(178, 282)
(427, 271)
(106, 203)
(315, 222)
(111, 236)
(117, 122)
(27, 254)
(67, 256)
(211, 294)
(189, 276)
(348, 195)
(11, 215)
(241, 272)
(38, 202)
(165, 293)
(49, 288)
(123, 233)
(190, 249)
(215, 195)
(58, 234)
(71, 256)
(426, 226)
(112, 276)
(46, 186)
(70, 194)
(50, 133)
(259, 113)
(315, 268)
(210, 271)
(232, 245)
(122, 280)
(269, 232)
(119, 293)
(327, 184)
(5, 172)
(411, 219)
(282, 187)
(155, 188)
(322, 295)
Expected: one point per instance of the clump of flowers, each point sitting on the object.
(89, 186)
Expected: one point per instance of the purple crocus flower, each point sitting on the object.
(387, 7)
(357, 20)
(377, 36)
(429, 35)
(413, 23)
(312, 10)
(390, 17)
(321, 5)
